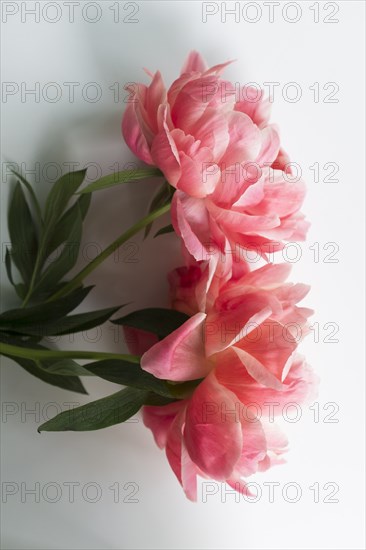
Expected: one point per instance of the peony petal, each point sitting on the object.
(184, 468)
(240, 222)
(226, 327)
(267, 276)
(276, 446)
(160, 419)
(194, 63)
(189, 474)
(183, 283)
(282, 162)
(270, 146)
(266, 353)
(253, 104)
(212, 131)
(281, 196)
(155, 96)
(254, 446)
(205, 286)
(192, 101)
(299, 385)
(180, 355)
(138, 341)
(173, 447)
(165, 154)
(239, 485)
(191, 222)
(245, 140)
(212, 431)
(257, 370)
(134, 136)
(219, 68)
(196, 180)
(250, 195)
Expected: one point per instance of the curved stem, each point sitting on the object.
(78, 279)
(39, 354)
(125, 176)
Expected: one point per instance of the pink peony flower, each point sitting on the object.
(255, 316)
(242, 340)
(222, 432)
(214, 144)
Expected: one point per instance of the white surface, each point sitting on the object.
(106, 52)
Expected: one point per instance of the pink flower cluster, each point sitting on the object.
(225, 161)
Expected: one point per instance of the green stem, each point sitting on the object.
(118, 178)
(78, 279)
(39, 354)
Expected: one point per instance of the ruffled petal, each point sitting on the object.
(134, 136)
(191, 222)
(267, 353)
(212, 432)
(160, 419)
(165, 154)
(226, 327)
(180, 356)
(194, 63)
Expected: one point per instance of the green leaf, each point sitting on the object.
(20, 288)
(66, 260)
(32, 194)
(67, 325)
(8, 266)
(84, 204)
(64, 227)
(167, 229)
(71, 383)
(23, 234)
(81, 321)
(60, 195)
(48, 311)
(159, 321)
(99, 414)
(131, 374)
(66, 367)
(128, 374)
(39, 370)
(42, 369)
(163, 197)
(121, 177)
(156, 400)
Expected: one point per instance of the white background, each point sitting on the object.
(106, 52)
